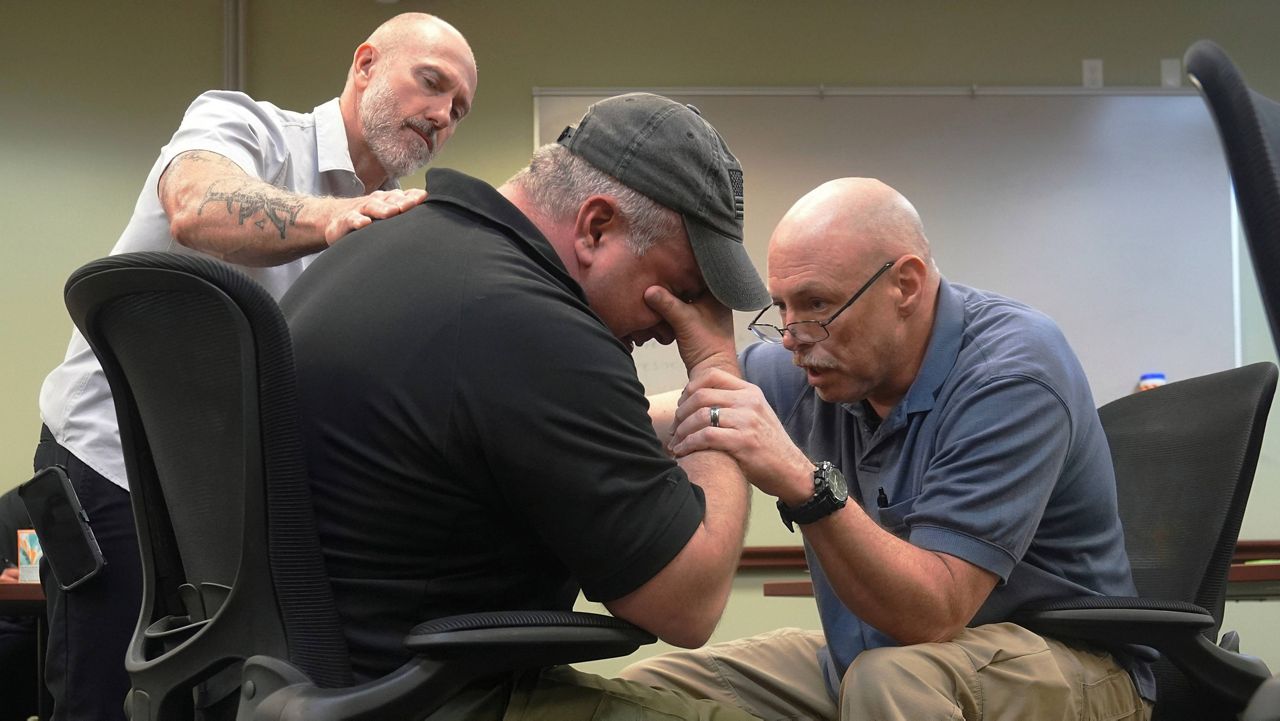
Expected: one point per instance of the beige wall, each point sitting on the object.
(90, 90)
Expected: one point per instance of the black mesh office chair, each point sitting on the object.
(237, 614)
(1185, 455)
(1249, 125)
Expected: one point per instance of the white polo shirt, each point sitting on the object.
(305, 153)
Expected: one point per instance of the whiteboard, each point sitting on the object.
(1111, 213)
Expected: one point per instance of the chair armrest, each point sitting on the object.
(274, 690)
(1175, 629)
(451, 652)
(526, 639)
(1112, 620)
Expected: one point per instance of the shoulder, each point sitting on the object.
(1010, 347)
(991, 315)
(1004, 337)
(444, 255)
(229, 106)
(250, 133)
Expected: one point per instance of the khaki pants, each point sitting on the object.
(562, 694)
(998, 672)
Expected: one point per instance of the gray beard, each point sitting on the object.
(383, 133)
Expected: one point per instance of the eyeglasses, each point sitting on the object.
(808, 331)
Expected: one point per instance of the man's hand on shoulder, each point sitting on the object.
(348, 214)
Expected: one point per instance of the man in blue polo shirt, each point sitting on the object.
(962, 428)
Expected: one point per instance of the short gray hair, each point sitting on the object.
(557, 182)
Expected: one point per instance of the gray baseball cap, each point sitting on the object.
(668, 153)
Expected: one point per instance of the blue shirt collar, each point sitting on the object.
(939, 358)
(943, 350)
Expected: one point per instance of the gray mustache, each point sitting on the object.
(808, 361)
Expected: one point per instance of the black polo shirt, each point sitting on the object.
(476, 438)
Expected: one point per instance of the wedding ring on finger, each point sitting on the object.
(715, 416)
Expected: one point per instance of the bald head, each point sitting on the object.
(416, 33)
(852, 218)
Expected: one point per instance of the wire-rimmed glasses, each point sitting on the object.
(808, 331)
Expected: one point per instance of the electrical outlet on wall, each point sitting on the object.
(1091, 70)
(1170, 73)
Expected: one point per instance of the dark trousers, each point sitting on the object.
(90, 626)
(18, 683)
(18, 678)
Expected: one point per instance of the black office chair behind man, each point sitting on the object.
(1185, 456)
(237, 615)
(1249, 125)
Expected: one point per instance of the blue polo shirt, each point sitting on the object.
(995, 455)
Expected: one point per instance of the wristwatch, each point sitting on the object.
(829, 495)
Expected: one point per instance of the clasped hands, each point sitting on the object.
(746, 427)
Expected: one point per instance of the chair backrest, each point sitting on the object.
(200, 365)
(1249, 125)
(1185, 455)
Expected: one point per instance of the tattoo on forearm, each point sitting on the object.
(281, 212)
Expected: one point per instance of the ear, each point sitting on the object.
(912, 276)
(362, 63)
(598, 218)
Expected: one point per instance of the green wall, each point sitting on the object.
(91, 90)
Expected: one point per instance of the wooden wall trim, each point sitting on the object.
(1256, 551)
(773, 558)
(791, 558)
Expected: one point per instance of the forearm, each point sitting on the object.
(216, 208)
(248, 222)
(727, 493)
(915, 594)
(662, 413)
(683, 603)
(724, 525)
(912, 594)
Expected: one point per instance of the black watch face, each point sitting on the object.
(839, 487)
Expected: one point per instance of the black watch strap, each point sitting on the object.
(829, 496)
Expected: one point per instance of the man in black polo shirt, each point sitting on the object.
(477, 436)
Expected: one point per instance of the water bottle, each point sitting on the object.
(1150, 380)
